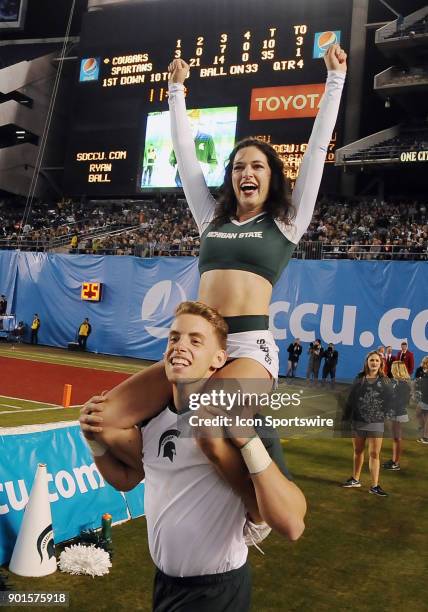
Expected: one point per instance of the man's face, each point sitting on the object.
(404, 347)
(193, 351)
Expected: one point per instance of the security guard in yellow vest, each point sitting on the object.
(35, 326)
(84, 332)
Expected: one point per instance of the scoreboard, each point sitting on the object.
(256, 70)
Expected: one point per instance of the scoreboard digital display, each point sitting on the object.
(256, 70)
(91, 292)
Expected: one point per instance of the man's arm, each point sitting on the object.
(281, 503)
(268, 495)
(120, 462)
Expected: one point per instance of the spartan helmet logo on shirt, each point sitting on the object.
(167, 443)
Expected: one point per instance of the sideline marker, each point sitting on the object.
(66, 396)
(34, 552)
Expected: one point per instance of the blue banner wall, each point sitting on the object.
(78, 494)
(356, 305)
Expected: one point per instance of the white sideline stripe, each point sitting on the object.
(9, 406)
(20, 399)
(33, 410)
(76, 360)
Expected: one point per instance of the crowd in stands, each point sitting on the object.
(340, 228)
(50, 221)
(370, 229)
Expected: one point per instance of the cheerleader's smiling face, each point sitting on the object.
(251, 175)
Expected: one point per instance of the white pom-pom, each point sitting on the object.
(79, 559)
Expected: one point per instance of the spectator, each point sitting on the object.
(421, 393)
(389, 360)
(381, 353)
(84, 333)
(294, 351)
(74, 243)
(398, 413)
(365, 410)
(407, 357)
(3, 305)
(314, 362)
(35, 326)
(20, 332)
(3, 308)
(331, 357)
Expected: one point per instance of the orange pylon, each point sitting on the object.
(66, 396)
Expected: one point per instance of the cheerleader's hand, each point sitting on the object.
(335, 59)
(178, 71)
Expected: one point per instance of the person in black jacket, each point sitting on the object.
(331, 357)
(294, 351)
(367, 405)
(3, 308)
(3, 305)
(398, 413)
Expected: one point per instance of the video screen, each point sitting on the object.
(214, 131)
(12, 13)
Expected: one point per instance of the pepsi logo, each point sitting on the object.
(90, 65)
(326, 39)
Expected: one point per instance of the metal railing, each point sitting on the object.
(372, 252)
(305, 250)
(96, 232)
(23, 244)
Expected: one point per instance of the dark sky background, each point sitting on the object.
(43, 20)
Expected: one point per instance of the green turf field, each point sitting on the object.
(359, 552)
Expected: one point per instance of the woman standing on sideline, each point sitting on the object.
(421, 389)
(367, 404)
(398, 414)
